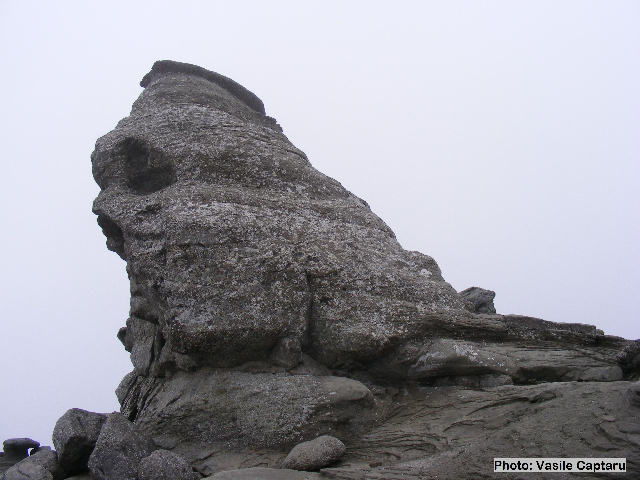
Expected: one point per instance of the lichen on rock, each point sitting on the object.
(270, 306)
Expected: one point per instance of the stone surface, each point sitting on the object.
(315, 454)
(206, 199)
(242, 409)
(270, 306)
(74, 437)
(258, 473)
(119, 449)
(26, 470)
(163, 464)
(629, 360)
(31, 467)
(18, 448)
(481, 299)
(455, 432)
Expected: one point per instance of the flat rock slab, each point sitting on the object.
(259, 473)
(452, 432)
(259, 410)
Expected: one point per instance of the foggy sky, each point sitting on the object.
(501, 138)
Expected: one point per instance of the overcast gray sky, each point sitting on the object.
(499, 137)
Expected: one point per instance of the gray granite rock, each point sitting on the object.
(239, 251)
(18, 448)
(481, 299)
(237, 218)
(315, 454)
(241, 409)
(42, 457)
(633, 395)
(119, 449)
(74, 437)
(26, 470)
(269, 306)
(163, 464)
(629, 360)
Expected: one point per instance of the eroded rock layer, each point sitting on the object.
(270, 306)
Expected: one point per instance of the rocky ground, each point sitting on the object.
(278, 330)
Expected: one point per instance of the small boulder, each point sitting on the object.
(316, 454)
(119, 449)
(47, 459)
(74, 438)
(26, 470)
(15, 449)
(163, 464)
(481, 299)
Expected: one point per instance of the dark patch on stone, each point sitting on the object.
(146, 169)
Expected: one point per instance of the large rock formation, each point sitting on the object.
(270, 306)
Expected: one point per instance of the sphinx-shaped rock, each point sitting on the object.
(258, 285)
(239, 250)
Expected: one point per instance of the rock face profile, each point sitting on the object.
(271, 307)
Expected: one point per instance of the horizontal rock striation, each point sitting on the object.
(270, 306)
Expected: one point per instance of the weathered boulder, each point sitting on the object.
(26, 470)
(15, 449)
(119, 449)
(270, 306)
(481, 299)
(239, 251)
(315, 454)
(74, 437)
(42, 458)
(240, 409)
(163, 464)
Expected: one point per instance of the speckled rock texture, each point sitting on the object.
(315, 454)
(41, 464)
(163, 464)
(481, 299)
(26, 470)
(258, 473)
(270, 306)
(119, 449)
(74, 437)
